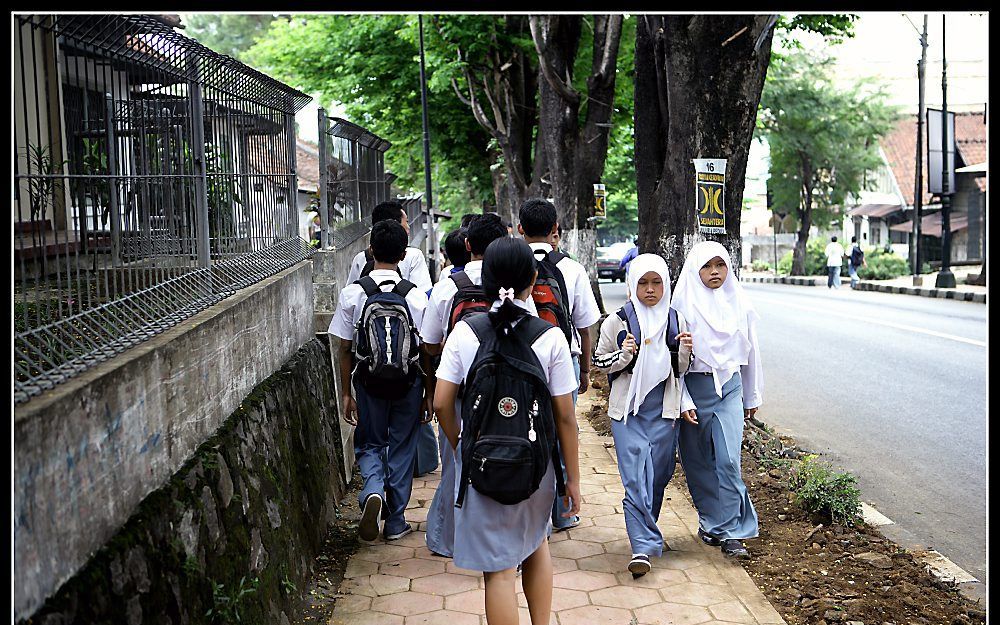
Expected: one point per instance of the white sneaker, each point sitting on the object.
(371, 516)
(403, 532)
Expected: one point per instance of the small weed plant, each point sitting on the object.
(820, 490)
(227, 604)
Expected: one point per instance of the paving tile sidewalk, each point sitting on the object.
(402, 583)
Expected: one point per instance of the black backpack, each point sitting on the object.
(387, 351)
(370, 264)
(468, 299)
(627, 314)
(550, 295)
(857, 256)
(508, 430)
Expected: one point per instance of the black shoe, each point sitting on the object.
(639, 565)
(733, 548)
(368, 527)
(708, 539)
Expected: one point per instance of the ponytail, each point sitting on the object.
(508, 269)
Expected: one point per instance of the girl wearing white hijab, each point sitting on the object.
(722, 387)
(644, 402)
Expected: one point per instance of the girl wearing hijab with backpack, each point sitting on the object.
(722, 387)
(643, 352)
(517, 377)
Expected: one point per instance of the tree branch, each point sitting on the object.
(612, 38)
(564, 90)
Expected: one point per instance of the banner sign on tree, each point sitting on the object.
(600, 211)
(710, 191)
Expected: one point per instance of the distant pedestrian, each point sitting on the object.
(723, 386)
(834, 260)
(855, 260)
(629, 255)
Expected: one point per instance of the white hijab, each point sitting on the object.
(718, 319)
(653, 360)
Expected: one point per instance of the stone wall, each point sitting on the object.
(248, 511)
(87, 452)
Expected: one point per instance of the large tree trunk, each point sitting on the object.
(698, 80)
(799, 252)
(576, 153)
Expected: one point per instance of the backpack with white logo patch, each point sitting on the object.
(508, 429)
(387, 350)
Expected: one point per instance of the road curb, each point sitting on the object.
(963, 296)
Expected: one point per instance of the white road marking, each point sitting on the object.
(898, 326)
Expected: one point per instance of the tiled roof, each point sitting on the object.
(900, 149)
(307, 164)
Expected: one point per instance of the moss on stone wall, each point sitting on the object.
(234, 531)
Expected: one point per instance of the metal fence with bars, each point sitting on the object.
(152, 178)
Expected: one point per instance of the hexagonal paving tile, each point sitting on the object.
(672, 614)
(596, 509)
(604, 562)
(595, 615)
(621, 546)
(604, 499)
(575, 548)
(407, 603)
(656, 578)
(389, 584)
(583, 580)
(416, 515)
(384, 553)
(445, 584)
(697, 594)
(451, 568)
(705, 573)
(366, 618)
(422, 494)
(359, 568)
(610, 520)
(596, 534)
(561, 565)
(625, 597)
(352, 604)
(413, 539)
(443, 617)
(361, 586)
(412, 568)
(732, 611)
(470, 601)
(681, 560)
(565, 599)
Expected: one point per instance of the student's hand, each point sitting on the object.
(584, 380)
(629, 344)
(571, 500)
(350, 409)
(686, 340)
(691, 416)
(428, 406)
(748, 413)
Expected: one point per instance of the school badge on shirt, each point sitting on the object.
(507, 407)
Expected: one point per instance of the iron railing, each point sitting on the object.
(152, 178)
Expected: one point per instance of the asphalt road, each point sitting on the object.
(890, 387)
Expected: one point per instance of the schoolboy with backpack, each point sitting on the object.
(453, 299)
(413, 266)
(562, 295)
(512, 373)
(376, 321)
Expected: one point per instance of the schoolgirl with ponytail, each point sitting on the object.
(491, 536)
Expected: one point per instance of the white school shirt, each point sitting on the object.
(413, 268)
(434, 327)
(834, 254)
(583, 310)
(352, 301)
(550, 348)
(751, 376)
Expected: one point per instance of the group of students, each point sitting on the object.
(498, 350)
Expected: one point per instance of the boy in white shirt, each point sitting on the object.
(538, 224)
(834, 259)
(413, 267)
(386, 415)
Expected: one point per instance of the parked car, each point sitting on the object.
(608, 259)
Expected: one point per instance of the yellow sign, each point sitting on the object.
(710, 191)
(600, 211)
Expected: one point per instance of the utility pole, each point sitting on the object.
(431, 238)
(945, 278)
(918, 200)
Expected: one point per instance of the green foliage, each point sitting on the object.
(823, 138)
(883, 265)
(820, 490)
(760, 265)
(41, 189)
(815, 259)
(370, 64)
(835, 28)
(226, 605)
(231, 34)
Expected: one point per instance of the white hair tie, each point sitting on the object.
(506, 294)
